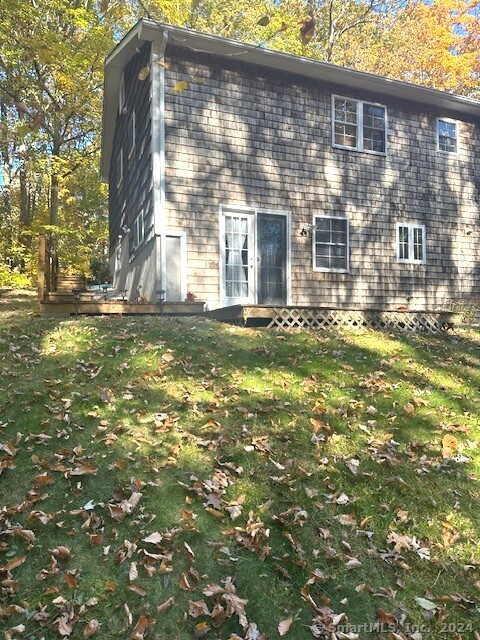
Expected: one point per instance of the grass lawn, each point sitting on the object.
(166, 478)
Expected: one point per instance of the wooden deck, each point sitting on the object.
(305, 317)
(120, 307)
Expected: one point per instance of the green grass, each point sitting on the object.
(200, 418)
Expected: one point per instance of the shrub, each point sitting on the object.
(12, 278)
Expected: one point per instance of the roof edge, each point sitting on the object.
(148, 31)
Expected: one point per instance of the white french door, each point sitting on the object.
(254, 256)
(238, 258)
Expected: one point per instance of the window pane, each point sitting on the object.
(345, 110)
(417, 243)
(236, 257)
(403, 243)
(345, 116)
(447, 136)
(346, 135)
(374, 128)
(331, 248)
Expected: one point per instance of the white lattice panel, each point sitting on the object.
(310, 318)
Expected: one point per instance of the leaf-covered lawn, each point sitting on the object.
(176, 478)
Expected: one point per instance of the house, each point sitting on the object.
(247, 176)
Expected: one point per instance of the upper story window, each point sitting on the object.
(447, 135)
(330, 244)
(131, 135)
(359, 125)
(138, 230)
(121, 94)
(119, 167)
(411, 246)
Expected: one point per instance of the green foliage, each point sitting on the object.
(13, 278)
(51, 78)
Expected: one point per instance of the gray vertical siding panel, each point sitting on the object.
(136, 187)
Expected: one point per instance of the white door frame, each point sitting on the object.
(252, 213)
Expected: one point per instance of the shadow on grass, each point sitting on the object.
(162, 400)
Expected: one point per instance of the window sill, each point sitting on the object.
(399, 261)
(357, 150)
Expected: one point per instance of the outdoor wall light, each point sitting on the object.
(306, 230)
(468, 230)
(160, 293)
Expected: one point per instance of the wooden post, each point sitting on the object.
(42, 260)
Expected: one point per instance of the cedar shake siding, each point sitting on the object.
(236, 193)
(130, 195)
(245, 135)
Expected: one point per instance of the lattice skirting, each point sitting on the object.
(408, 321)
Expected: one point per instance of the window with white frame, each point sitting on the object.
(131, 135)
(330, 244)
(411, 243)
(138, 230)
(121, 94)
(359, 125)
(447, 135)
(119, 167)
(118, 254)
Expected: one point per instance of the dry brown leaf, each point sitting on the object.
(136, 588)
(201, 629)
(164, 606)
(449, 445)
(14, 563)
(144, 73)
(346, 519)
(214, 512)
(180, 86)
(354, 563)
(71, 580)
(154, 538)
(284, 626)
(133, 572)
(82, 470)
(61, 552)
(142, 625)
(197, 608)
(184, 582)
(449, 534)
(63, 625)
(93, 627)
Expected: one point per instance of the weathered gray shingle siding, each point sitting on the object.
(252, 136)
(136, 187)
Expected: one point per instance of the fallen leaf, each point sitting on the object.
(14, 563)
(353, 464)
(133, 572)
(93, 626)
(449, 445)
(284, 626)
(140, 591)
(154, 538)
(164, 606)
(142, 625)
(201, 629)
(428, 605)
(144, 73)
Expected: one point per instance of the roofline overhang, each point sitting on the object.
(148, 30)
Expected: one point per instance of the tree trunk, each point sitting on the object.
(24, 199)
(55, 181)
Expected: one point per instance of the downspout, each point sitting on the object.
(157, 101)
